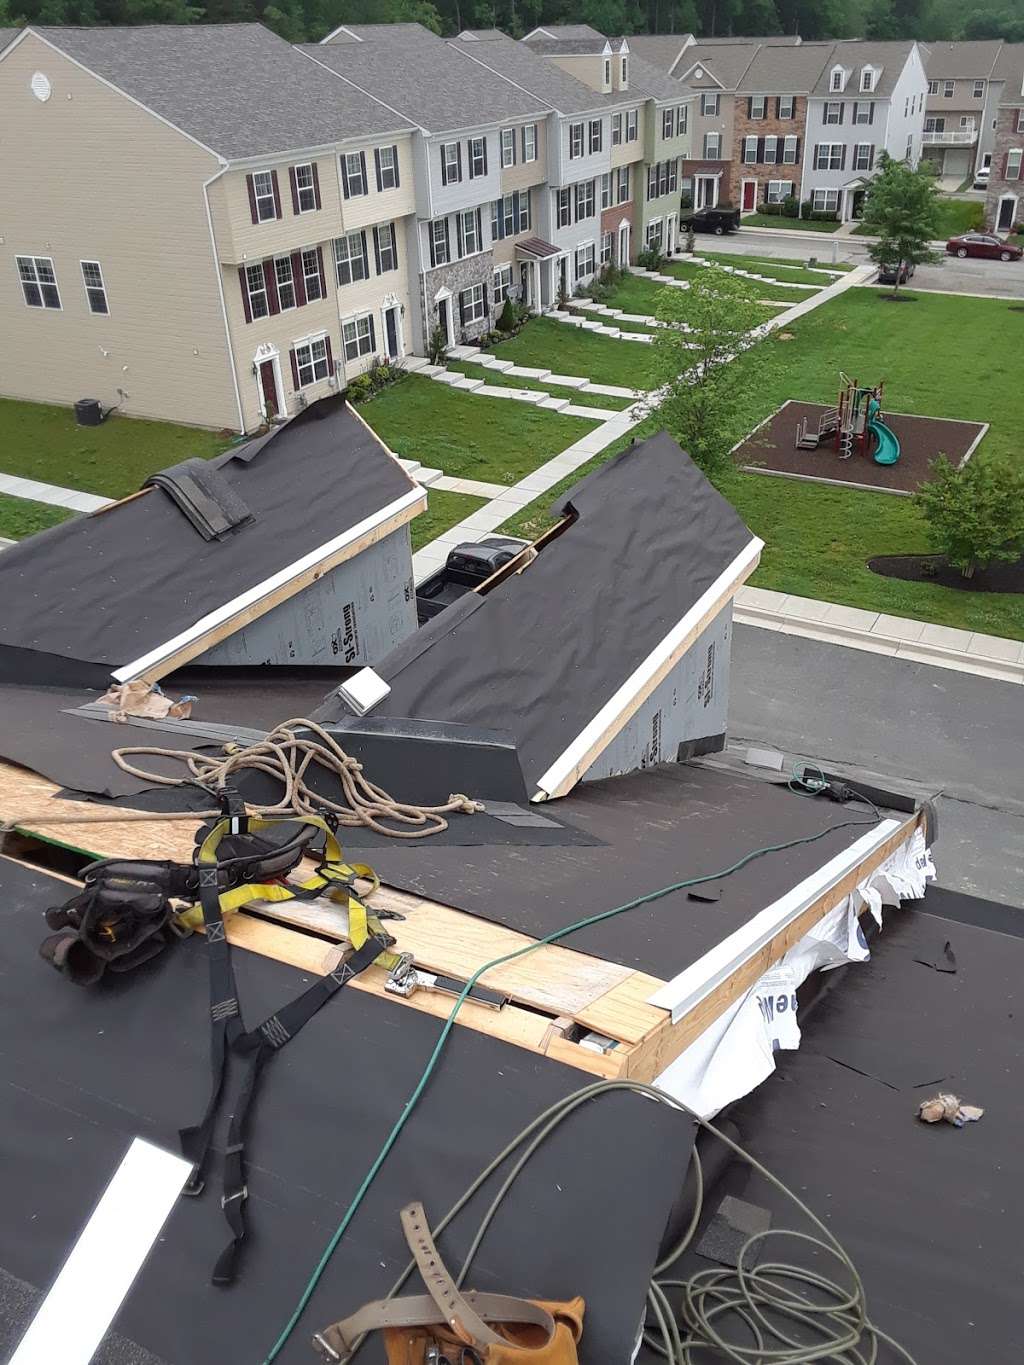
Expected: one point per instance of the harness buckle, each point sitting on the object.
(326, 1349)
(403, 977)
(242, 1194)
(194, 1186)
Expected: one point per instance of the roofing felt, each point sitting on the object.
(890, 58)
(960, 61)
(651, 535)
(106, 588)
(726, 63)
(237, 88)
(544, 78)
(429, 80)
(786, 70)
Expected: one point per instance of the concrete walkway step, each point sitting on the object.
(594, 414)
(566, 381)
(425, 477)
(527, 372)
(428, 371)
(461, 352)
(412, 364)
(608, 390)
(517, 395)
(501, 366)
(468, 384)
(474, 487)
(478, 357)
(553, 404)
(450, 377)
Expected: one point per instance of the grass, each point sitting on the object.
(686, 270)
(796, 273)
(755, 262)
(20, 518)
(634, 294)
(587, 400)
(777, 221)
(42, 442)
(492, 439)
(955, 216)
(570, 350)
(819, 538)
(443, 510)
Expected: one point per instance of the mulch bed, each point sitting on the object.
(772, 450)
(999, 577)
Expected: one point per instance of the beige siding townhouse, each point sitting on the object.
(958, 127)
(237, 240)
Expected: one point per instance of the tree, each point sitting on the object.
(713, 366)
(902, 209)
(975, 514)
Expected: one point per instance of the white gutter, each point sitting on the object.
(220, 290)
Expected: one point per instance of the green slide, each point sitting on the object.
(887, 449)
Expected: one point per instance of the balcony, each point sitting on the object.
(963, 137)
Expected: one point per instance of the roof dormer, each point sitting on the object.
(837, 79)
(868, 79)
(622, 67)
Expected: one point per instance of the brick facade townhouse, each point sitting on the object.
(1004, 204)
(713, 72)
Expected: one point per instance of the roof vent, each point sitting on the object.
(201, 491)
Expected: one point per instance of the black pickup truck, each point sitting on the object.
(466, 567)
(718, 221)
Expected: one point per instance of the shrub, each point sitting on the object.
(771, 209)
(686, 200)
(563, 293)
(975, 514)
(651, 259)
(437, 345)
(359, 389)
(507, 318)
(791, 206)
(806, 208)
(824, 216)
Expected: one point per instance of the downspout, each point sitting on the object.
(220, 290)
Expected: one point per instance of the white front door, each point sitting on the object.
(623, 245)
(707, 191)
(671, 234)
(393, 343)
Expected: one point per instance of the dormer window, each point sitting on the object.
(867, 79)
(838, 79)
(608, 72)
(624, 72)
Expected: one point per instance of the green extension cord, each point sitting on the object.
(449, 1024)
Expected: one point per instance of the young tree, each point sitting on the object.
(710, 368)
(975, 514)
(902, 209)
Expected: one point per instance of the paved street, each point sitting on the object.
(938, 730)
(963, 277)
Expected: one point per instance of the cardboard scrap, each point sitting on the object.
(950, 1108)
(143, 699)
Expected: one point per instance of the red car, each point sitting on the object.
(983, 244)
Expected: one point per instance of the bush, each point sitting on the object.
(382, 373)
(507, 319)
(686, 201)
(437, 345)
(771, 209)
(823, 216)
(359, 390)
(975, 514)
(791, 206)
(651, 259)
(806, 208)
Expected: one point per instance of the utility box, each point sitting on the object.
(88, 412)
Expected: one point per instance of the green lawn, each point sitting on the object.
(775, 270)
(20, 518)
(771, 220)
(569, 350)
(634, 294)
(42, 442)
(955, 216)
(588, 400)
(492, 439)
(790, 269)
(443, 510)
(686, 270)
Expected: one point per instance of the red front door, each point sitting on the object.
(749, 195)
(268, 384)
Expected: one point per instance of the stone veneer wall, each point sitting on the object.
(459, 275)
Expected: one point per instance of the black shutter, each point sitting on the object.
(344, 176)
(842, 157)
(394, 153)
(842, 111)
(497, 229)
(246, 309)
(376, 167)
(293, 179)
(796, 158)
(298, 279)
(871, 112)
(458, 159)
(394, 246)
(277, 194)
(778, 106)
(444, 165)
(447, 241)
(462, 307)
(750, 106)
(376, 248)
(316, 185)
(479, 231)
(252, 201)
(362, 162)
(459, 236)
(760, 151)
(430, 239)
(871, 157)
(373, 335)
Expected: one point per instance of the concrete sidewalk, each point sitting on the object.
(34, 491)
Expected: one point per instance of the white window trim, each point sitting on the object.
(451, 175)
(277, 283)
(102, 285)
(477, 284)
(791, 106)
(786, 192)
(824, 208)
(364, 256)
(529, 128)
(354, 319)
(632, 122)
(595, 125)
(786, 160)
(837, 86)
(948, 87)
(750, 145)
(306, 275)
(392, 169)
(249, 291)
(507, 142)
(362, 175)
(764, 107)
(271, 196)
(309, 341)
(574, 128)
(311, 187)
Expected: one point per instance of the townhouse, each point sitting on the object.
(713, 71)
(869, 98)
(1004, 204)
(959, 116)
(213, 171)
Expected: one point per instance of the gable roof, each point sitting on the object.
(563, 32)
(1009, 67)
(960, 61)
(888, 58)
(723, 64)
(101, 592)
(648, 80)
(660, 50)
(574, 47)
(8, 35)
(425, 77)
(238, 89)
(532, 71)
(786, 70)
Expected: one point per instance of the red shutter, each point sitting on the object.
(330, 356)
(295, 189)
(323, 277)
(252, 198)
(299, 278)
(295, 370)
(245, 294)
(277, 195)
(270, 280)
(316, 185)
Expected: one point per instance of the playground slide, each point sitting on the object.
(887, 449)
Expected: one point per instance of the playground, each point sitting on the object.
(858, 442)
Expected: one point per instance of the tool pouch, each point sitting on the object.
(447, 1327)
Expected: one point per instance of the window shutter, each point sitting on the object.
(277, 195)
(376, 248)
(245, 294)
(270, 280)
(842, 112)
(458, 159)
(871, 112)
(778, 106)
(1006, 163)
(295, 188)
(376, 167)
(796, 155)
(295, 370)
(479, 231)
(252, 199)
(430, 243)
(871, 157)
(299, 278)
(320, 267)
(398, 178)
(344, 176)
(444, 166)
(373, 338)
(760, 149)
(394, 244)
(750, 106)
(362, 163)
(330, 353)
(447, 241)
(842, 157)
(316, 185)
(462, 308)
(497, 227)
(458, 235)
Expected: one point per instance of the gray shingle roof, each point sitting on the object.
(786, 70)
(7, 35)
(543, 77)
(237, 88)
(660, 50)
(582, 47)
(428, 79)
(725, 61)
(1009, 67)
(648, 80)
(890, 57)
(570, 32)
(960, 61)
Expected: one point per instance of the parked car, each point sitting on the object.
(984, 244)
(981, 178)
(467, 566)
(896, 273)
(718, 220)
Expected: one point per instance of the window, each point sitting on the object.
(663, 178)
(575, 140)
(837, 80)
(311, 277)
(825, 201)
(933, 87)
(478, 158)
(264, 198)
(771, 151)
(966, 121)
(95, 290)
(778, 190)
(606, 191)
(311, 360)
(1013, 160)
(357, 334)
(255, 288)
(440, 243)
(712, 146)
(979, 90)
(284, 278)
(668, 122)
(350, 261)
(789, 149)
(510, 215)
(502, 284)
(584, 200)
(834, 112)
(828, 156)
(385, 247)
(467, 226)
(947, 90)
(682, 119)
(585, 261)
(631, 125)
(867, 79)
(304, 184)
(451, 163)
(908, 155)
(786, 106)
(508, 148)
(622, 188)
(758, 106)
(564, 207)
(530, 142)
(623, 71)
(863, 156)
(608, 72)
(616, 130)
(749, 150)
(596, 138)
(709, 104)
(472, 304)
(935, 125)
(1020, 121)
(386, 159)
(353, 175)
(864, 112)
(654, 237)
(606, 248)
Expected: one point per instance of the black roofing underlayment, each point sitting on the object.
(84, 1071)
(930, 1214)
(103, 590)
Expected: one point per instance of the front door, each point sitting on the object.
(623, 246)
(391, 333)
(443, 320)
(749, 196)
(268, 388)
(1006, 212)
(563, 275)
(707, 191)
(857, 204)
(671, 234)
